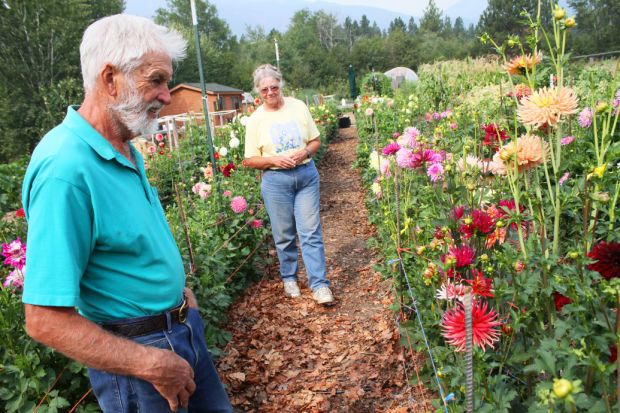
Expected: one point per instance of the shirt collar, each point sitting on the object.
(98, 143)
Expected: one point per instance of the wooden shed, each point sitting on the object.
(224, 102)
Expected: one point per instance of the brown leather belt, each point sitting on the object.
(150, 324)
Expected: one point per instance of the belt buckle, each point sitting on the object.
(183, 311)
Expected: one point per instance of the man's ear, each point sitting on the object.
(108, 76)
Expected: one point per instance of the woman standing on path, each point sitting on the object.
(281, 138)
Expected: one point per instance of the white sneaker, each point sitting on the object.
(291, 289)
(323, 295)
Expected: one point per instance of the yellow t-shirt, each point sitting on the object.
(281, 132)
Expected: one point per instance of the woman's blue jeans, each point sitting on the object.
(292, 198)
(124, 394)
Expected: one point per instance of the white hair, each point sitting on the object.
(123, 40)
(264, 71)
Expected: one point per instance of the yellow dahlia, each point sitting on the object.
(529, 151)
(546, 106)
(518, 64)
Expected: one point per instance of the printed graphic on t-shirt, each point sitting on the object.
(285, 136)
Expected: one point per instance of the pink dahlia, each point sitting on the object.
(484, 325)
(15, 253)
(227, 193)
(449, 291)
(585, 118)
(563, 178)
(460, 257)
(435, 172)
(203, 190)
(256, 223)
(608, 259)
(405, 158)
(567, 140)
(391, 148)
(238, 204)
(15, 279)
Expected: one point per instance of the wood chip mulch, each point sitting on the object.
(293, 355)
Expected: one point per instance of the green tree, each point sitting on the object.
(431, 20)
(502, 18)
(39, 50)
(399, 24)
(598, 25)
(412, 27)
(217, 47)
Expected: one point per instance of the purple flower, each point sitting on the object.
(585, 118)
(563, 178)
(405, 158)
(391, 148)
(435, 171)
(567, 140)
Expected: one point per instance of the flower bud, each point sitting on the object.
(499, 224)
(511, 43)
(602, 197)
(573, 254)
(570, 22)
(559, 13)
(484, 257)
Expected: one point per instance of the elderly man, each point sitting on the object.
(98, 239)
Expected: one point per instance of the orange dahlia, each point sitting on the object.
(546, 106)
(529, 151)
(519, 91)
(484, 325)
(518, 64)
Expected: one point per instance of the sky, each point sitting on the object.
(410, 7)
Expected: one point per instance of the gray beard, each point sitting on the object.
(133, 113)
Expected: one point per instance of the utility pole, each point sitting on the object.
(205, 106)
(277, 53)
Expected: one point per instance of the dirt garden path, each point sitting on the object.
(292, 355)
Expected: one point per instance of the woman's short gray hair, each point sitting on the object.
(264, 71)
(123, 40)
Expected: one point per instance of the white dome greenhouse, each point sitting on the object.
(400, 74)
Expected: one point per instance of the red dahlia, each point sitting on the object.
(493, 134)
(460, 257)
(483, 326)
(481, 286)
(510, 205)
(560, 300)
(479, 223)
(608, 259)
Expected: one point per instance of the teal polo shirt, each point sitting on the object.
(98, 238)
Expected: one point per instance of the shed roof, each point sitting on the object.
(209, 87)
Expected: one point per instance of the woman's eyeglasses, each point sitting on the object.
(267, 89)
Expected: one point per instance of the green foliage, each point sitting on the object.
(11, 177)
(377, 84)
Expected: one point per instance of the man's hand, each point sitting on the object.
(172, 377)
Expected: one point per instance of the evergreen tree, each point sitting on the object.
(598, 25)
(431, 20)
(412, 28)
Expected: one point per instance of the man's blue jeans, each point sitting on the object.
(292, 198)
(124, 394)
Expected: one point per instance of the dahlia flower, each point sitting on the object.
(449, 291)
(560, 300)
(608, 259)
(470, 162)
(391, 148)
(563, 178)
(547, 106)
(234, 142)
(481, 286)
(227, 193)
(226, 171)
(238, 204)
(567, 140)
(405, 158)
(511, 205)
(435, 172)
(256, 223)
(15, 278)
(203, 190)
(484, 323)
(518, 64)
(15, 253)
(519, 91)
(529, 151)
(585, 118)
(460, 257)
(494, 135)
(369, 112)
(477, 223)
